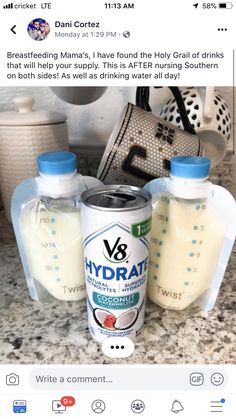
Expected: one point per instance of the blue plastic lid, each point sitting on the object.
(57, 163)
(193, 167)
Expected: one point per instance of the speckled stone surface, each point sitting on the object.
(56, 332)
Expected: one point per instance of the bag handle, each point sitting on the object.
(142, 100)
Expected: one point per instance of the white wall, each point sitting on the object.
(91, 123)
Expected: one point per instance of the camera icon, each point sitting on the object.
(12, 380)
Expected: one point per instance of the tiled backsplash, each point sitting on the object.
(93, 123)
(89, 159)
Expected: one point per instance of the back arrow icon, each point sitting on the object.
(13, 29)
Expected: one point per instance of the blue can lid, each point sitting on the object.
(57, 163)
(192, 167)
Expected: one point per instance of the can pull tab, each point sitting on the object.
(118, 200)
(116, 197)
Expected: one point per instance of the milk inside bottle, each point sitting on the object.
(193, 230)
(47, 223)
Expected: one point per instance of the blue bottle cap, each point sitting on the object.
(57, 163)
(192, 167)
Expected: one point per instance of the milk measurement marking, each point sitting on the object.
(193, 253)
(50, 245)
(44, 220)
(47, 244)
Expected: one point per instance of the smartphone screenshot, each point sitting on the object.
(117, 209)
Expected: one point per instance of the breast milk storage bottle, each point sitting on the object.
(193, 230)
(47, 224)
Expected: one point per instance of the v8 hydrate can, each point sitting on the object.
(116, 221)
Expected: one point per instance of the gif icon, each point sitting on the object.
(196, 379)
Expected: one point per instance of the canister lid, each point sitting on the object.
(116, 197)
(191, 167)
(57, 163)
(26, 116)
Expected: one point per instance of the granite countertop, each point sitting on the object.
(56, 332)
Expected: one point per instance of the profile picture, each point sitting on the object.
(38, 29)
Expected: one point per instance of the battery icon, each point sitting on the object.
(227, 5)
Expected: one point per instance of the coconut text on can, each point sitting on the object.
(116, 221)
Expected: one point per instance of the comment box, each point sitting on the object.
(126, 378)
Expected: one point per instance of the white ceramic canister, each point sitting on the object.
(24, 134)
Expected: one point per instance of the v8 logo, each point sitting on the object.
(116, 253)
